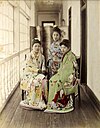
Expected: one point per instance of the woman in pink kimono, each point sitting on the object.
(62, 84)
(33, 81)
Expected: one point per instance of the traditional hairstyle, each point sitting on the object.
(56, 29)
(66, 43)
(35, 40)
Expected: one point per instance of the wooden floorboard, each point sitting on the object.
(13, 116)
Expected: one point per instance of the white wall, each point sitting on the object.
(93, 46)
(93, 40)
(64, 14)
(75, 31)
(48, 17)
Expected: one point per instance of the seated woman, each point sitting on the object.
(61, 84)
(33, 81)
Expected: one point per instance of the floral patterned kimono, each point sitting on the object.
(61, 85)
(55, 56)
(34, 83)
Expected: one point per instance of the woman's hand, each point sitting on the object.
(40, 71)
(45, 72)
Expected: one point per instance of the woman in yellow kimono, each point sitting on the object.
(61, 84)
(33, 81)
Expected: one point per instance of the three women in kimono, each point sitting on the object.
(60, 85)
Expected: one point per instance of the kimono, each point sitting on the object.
(34, 83)
(55, 56)
(61, 85)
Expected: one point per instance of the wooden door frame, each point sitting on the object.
(83, 48)
(70, 20)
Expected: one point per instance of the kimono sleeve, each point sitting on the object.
(43, 63)
(67, 68)
(51, 49)
(29, 65)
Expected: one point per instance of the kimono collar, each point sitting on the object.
(56, 43)
(34, 55)
(68, 52)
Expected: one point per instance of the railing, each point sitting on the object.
(10, 68)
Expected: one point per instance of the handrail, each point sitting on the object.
(10, 69)
(12, 56)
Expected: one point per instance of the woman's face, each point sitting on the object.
(55, 36)
(64, 49)
(36, 47)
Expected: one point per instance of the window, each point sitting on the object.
(24, 32)
(6, 29)
(48, 23)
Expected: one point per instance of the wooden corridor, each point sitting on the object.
(85, 116)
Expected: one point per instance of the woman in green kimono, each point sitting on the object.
(33, 81)
(62, 83)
